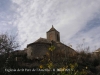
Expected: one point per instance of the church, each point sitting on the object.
(40, 48)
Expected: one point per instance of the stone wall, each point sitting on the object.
(53, 35)
(37, 50)
(62, 50)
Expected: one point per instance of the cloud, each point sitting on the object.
(91, 37)
(7, 17)
(70, 17)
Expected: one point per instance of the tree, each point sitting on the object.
(7, 43)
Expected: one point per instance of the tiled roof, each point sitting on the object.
(42, 40)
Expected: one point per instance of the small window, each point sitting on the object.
(58, 38)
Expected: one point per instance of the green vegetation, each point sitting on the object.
(82, 63)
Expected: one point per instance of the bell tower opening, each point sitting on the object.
(53, 34)
(58, 38)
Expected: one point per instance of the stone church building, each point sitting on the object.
(40, 48)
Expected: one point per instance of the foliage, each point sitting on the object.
(7, 45)
(81, 63)
(62, 68)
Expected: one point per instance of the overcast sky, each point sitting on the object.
(31, 19)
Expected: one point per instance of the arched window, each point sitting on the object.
(58, 38)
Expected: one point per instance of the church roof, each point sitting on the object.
(40, 40)
(52, 29)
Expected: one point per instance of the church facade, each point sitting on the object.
(40, 48)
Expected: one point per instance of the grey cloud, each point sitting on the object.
(35, 17)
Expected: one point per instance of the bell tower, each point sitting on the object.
(53, 34)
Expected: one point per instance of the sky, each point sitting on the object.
(78, 21)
